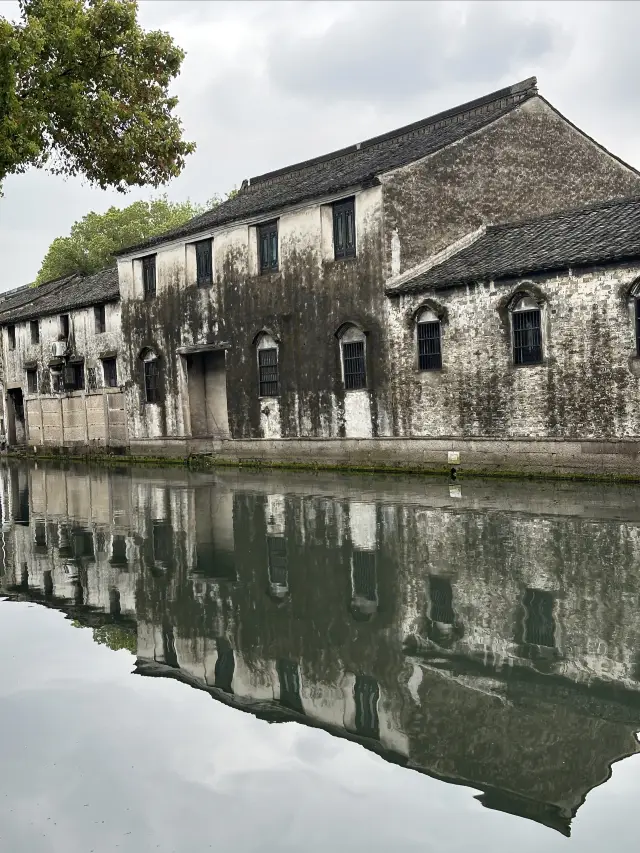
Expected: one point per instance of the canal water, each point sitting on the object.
(255, 661)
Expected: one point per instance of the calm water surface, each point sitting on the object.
(241, 661)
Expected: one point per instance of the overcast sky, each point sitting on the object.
(266, 84)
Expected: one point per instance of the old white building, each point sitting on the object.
(373, 307)
(62, 363)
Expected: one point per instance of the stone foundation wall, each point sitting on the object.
(552, 457)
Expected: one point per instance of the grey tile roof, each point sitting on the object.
(600, 233)
(55, 297)
(355, 165)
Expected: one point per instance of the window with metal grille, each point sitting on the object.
(344, 229)
(149, 276)
(110, 372)
(539, 624)
(366, 693)
(429, 346)
(269, 372)
(32, 381)
(151, 381)
(355, 372)
(204, 262)
(441, 596)
(364, 579)
(34, 327)
(268, 246)
(527, 332)
(100, 319)
(64, 325)
(277, 556)
(11, 336)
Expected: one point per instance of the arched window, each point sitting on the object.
(429, 341)
(268, 366)
(151, 375)
(527, 331)
(353, 358)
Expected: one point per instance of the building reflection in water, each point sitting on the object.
(491, 643)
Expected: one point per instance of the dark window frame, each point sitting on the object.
(11, 336)
(151, 381)
(204, 262)
(354, 365)
(79, 380)
(110, 372)
(100, 318)
(429, 340)
(344, 229)
(64, 321)
(526, 326)
(268, 372)
(34, 329)
(149, 281)
(268, 250)
(32, 387)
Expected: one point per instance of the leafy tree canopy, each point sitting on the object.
(116, 637)
(84, 91)
(94, 238)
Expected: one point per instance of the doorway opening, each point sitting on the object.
(207, 384)
(16, 427)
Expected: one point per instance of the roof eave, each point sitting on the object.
(580, 263)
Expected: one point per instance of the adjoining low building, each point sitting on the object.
(524, 343)
(364, 308)
(61, 364)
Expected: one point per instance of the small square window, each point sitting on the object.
(110, 372)
(344, 229)
(151, 381)
(268, 246)
(11, 336)
(149, 276)
(64, 325)
(99, 314)
(34, 327)
(204, 262)
(32, 381)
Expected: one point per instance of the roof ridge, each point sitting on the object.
(567, 211)
(525, 88)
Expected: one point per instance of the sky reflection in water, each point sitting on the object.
(489, 640)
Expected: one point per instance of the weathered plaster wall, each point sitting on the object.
(586, 387)
(302, 306)
(529, 162)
